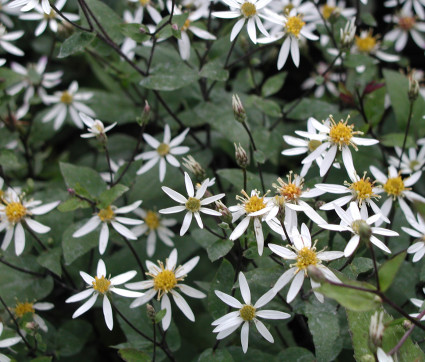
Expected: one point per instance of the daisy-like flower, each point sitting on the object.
(366, 43)
(376, 328)
(166, 280)
(129, 45)
(335, 136)
(101, 285)
(406, 23)
(249, 12)
(417, 5)
(164, 151)
(27, 5)
(411, 161)
(6, 10)
(184, 42)
(110, 215)
(333, 8)
(304, 253)
(34, 78)
(329, 80)
(398, 188)
(15, 212)
(254, 208)
(23, 308)
(359, 225)
(7, 342)
(294, 29)
(246, 314)
(66, 101)
(418, 232)
(50, 19)
(95, 128)
(147, 4)
(6, 38)
(418, 303)
(154, 225)
(193, 205)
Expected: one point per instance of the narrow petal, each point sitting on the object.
(107, 313)
(261, 328)
(183, 306)
(85, 307)
(228, 299)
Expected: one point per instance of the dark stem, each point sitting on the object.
(139, 262)
(108, 160)
(244, 178)
(21, 269)
(254, 147)
(375, 266)
(34, 235)
(214, 233)
(406, 133)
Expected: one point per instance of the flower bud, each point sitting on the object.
(241, 156)
(226, 215)
(347, 35)
(193, 166)
(376, 330)
(150, 311)
(362, 228)
(71, 192)
(175, 27)
(144, 119)
(316, 274)
(413, 87)
(238, 109)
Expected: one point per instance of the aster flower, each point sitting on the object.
(406, 24)
(95, 127)
(128, 46)
(397, 188)
(164, 151)
(246, 314)
(6, 38)
(366, 43)
(254, 208)
(194, 204)
(66, 101)
(418, 303)
(166, 280)
(23, 308)
(6, 10)
(27, 5)
(328, 84)
(411, 161)
(15, 212)
(305, 255)
(100, 285)
(418, 232)
(248, 12)
(7, 342)
(408, 5)
(332, 8)
(147, 4)
(358, 225)
(154, 225)
(335, 136)
(110, 215)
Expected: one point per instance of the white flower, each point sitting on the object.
(411, 161)
(26, 307)
(164, 151)
(376, 328)
(397, 188)
(406, 24)
(246, 314)
(417, 248)
(418, 303)
(129, 45)
(247, 11)
(165, 280)
(67, 101)
(357, 224)
(6, 37)
(366, 43)
(417, 5)
(154, 225)
(332, 8)
(193, 204)
(15, 212)
(50, 19)
(7, 10)
(147, 4)
(382, 356)
(328, 83)
(305, 255)
(335, 136)
(7, 342)
(255, 209)
(27, 5)
(100, 285)
(110, 215)
(95, 127)
(34, 77)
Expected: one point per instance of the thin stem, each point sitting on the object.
(64, 17)
(214, 233)
(133, 251)
(34, 235)
(375, 266)
(21, 269)
(244, 178)
(255, 149)
(108, 160)
(154, 342)
(406, 133)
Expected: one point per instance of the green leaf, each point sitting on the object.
(311, 108)
(87, 178)
(72, 336)
(134, 32)
(389, 269)
(223, 281)
(219, 249)
(266, 106)
(42, 359)
(75, 43)
(160, 315)
(273, 84)
(295, 354)
(73, 248)
(107, 197)
(214, 70)
(73, 204)
(396, 139)
(368, 19)
(219, 355)
(8, 77)
(133, 355)
(8, 159)
(51, 259)
(259, 156)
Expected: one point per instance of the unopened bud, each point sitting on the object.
(193, 166)
(316, 274)
(319, 204)
(31, 325)
(407, 324)
(71, 191)
(142, 30)
(150, 311)
(363, 229)
(347, 35)
(226, 215)
(413, 87)
(175, 27)
(144, 119)
(238, 109)
(241, 156)
(376, 330)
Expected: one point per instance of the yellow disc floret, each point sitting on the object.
(144, 2)
(106, 214)
(101, 284)
(193, 204)
(341, 133)
(254, 204)
(163, 149)
(294, 24)
(306, 257)
(363, 189)
(366, 42)
(290, 190)
(394, 186)
(287, 9)
(66, 97)
(152, 220)
(248, 9)
(15, 211)
(328, 10)
(185, 27)
(165, 281)
(23, 308)
(247, 313)
(50, 16)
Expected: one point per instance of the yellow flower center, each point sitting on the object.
(394, 186)
(163, 149)
(291, 192)
(313, 144)
(358, 224)
(23, 308)
(254, 204)
(164, 281)
(366, 43)
(144, 2)
(363, 189)
(407, 22)
(287, 9)
(15, 211)
(327, 11)
(247, 313)
(185, 25)
(106, 214)
(341, 133)
(101, 284)
(193, 204)
(66, 97)
(306, 257)
(152, 220)
(248, 9)
(49, 16)
(294, 24)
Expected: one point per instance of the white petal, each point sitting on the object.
(228, 299)
(88, 227)
(183, 306)
(80, 296)
(244, 288)
(295, 287)
(36, 226)
(107, 313)
(123, 278)
(244, 336)
(165, 304)
(272, 314)
(191, 292)
(85, 307)
(187, 267)
(261, 328)
(103, 238)
(123, 230)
